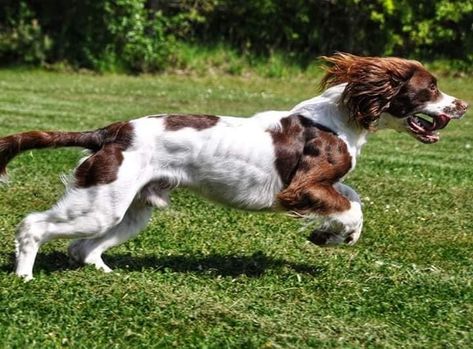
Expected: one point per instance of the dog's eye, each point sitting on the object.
(433, 87)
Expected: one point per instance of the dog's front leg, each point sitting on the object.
(339, 207)
(344, 226)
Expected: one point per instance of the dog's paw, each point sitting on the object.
(327, 238)
(74, 251)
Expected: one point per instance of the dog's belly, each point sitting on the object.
(247, 187)
(231, 165)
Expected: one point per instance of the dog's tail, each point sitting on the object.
(12, 145)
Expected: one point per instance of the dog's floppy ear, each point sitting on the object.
(372, 82)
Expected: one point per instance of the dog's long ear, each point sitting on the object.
(372, 82)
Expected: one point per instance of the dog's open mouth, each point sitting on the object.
(424, 126)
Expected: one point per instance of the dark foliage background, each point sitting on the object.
(143, 35)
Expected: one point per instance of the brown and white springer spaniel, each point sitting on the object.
(285, 160)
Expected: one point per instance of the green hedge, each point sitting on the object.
(141, 35)
(99, 35)
(421, 28)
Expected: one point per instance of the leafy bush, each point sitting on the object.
(108, 35)
(144, 35)
(99, 35)
(427, 29)
(21, 37)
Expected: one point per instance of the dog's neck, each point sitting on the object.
(327, 110)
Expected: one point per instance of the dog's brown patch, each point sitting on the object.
(310, 159)
(174, 122)
(102, 166)
(288, 144)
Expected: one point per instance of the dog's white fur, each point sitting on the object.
(231, 162)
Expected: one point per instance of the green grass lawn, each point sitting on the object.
(204, 276)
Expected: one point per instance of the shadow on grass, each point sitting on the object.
(254, 265)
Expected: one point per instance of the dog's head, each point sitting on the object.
(392, 93)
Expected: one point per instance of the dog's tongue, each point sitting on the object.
(440, 122)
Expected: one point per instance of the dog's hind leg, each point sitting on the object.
(82, 213)
(38, 228)
(89, 251)
(27, 242)
(105, 186)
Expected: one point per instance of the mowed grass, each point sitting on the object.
(205, 276)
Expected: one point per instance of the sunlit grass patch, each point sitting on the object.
(205, 276)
